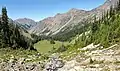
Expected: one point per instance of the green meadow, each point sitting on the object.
(44, 46)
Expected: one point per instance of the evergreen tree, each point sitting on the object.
(5, 26)
(118, 6)
(94, 26)
(0, 25)
(111, 11)
(10, 34)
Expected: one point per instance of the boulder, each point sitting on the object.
(54, 64)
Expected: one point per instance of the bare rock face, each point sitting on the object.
(53, 25)
(54, 64)
(26, 23)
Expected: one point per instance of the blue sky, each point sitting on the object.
(40, 9)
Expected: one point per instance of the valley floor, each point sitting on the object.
(44, 46)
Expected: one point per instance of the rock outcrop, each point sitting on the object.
(95, 59)
(19, 65)
(54, 64)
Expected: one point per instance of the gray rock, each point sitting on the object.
(54, 64)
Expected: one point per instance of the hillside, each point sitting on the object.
(60, 22)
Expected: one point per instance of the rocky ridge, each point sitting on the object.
(53, 25)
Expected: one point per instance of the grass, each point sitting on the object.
(7, 53)
(44, 46)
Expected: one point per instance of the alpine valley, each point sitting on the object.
(77, 40)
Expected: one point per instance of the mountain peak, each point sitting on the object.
(24, 19)
(111, 2)
(74, 10)
(26, 22)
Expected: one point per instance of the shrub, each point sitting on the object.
(61, 49)
(52, 42)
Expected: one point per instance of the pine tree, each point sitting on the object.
(111, 11)
(5, 26)
(94, 26)
(118, 6)
(107, 15)
(0, 25)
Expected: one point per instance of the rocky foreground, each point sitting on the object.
(95, 58)
(90, 58)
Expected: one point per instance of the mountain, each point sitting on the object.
(61, 22)
(26, 22)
